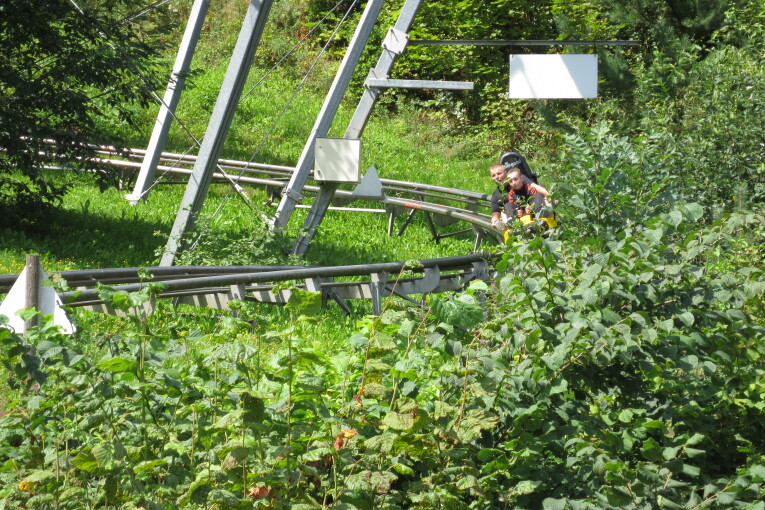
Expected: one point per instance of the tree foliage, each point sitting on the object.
(690, 108)
(63, 66)
(686, 92)
(620, 366)
(711, 127)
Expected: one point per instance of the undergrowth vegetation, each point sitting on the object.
(628, 377)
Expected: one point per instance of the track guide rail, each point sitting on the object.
(216, 286)
(446, 205)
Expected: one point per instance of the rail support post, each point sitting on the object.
(170, 101)
(32, 291)
(356, 125)
(377, 287)
(236, 292)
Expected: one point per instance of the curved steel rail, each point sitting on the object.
(217, 286)
(398, 197)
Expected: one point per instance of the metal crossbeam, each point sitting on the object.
(487, 42)
(419, 84)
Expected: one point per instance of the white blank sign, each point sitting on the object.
(337, 160)
(553, 76)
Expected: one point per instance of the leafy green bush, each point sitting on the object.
(715, 131)
(628, 377)
(610, 182)
(635, 359)
(62, 69)
(229, 242)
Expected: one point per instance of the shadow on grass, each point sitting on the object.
(87, 240)
(81, 239)
(375, 246)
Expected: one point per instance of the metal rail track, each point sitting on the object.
(216, 286)
(442, 206)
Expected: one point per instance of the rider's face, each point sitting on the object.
(498, 176)
(516, 180)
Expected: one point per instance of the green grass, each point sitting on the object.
(94, 229)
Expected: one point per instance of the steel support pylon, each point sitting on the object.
(394, 46)
(220, 122)
(292, 194)
(173, 93)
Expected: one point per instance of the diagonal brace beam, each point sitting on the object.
(220, 122)
(356, 127)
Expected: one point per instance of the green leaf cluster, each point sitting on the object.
(622, 375)
(64, 68)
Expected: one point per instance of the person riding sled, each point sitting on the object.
(518, 196)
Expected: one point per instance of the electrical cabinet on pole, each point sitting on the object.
(292, 194)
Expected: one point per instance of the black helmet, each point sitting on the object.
(513, 159)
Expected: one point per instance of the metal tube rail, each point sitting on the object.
(83, 277)
(439, 189)
(447, 263)
(433, 195)
(401, 186)
(474, 218)
(410, 203)
(451, 194)
(482, 220)
(462, 214)
(231, 164)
